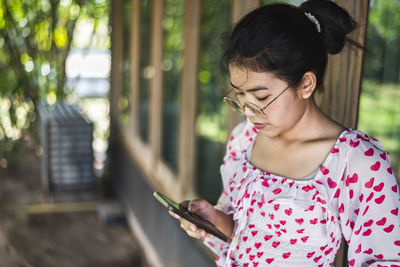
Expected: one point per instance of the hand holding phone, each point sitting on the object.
(183, 212)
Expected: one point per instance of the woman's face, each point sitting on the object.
(260, 88)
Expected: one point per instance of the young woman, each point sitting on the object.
(295, 181)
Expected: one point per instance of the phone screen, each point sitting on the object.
(191, 217)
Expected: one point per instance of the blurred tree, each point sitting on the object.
(35, 40)
(383, 38)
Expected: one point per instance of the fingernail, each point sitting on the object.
(193, 228)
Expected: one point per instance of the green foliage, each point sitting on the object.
(383, 42)
(35, 40)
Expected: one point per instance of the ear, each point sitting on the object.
(307, 85)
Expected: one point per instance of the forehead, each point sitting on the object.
(242, 77)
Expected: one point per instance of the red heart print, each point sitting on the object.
(383, 155)
(300, 231)
(251, 257)
(314, 221)
(352, 262)
(248, 250)
(381, 221)
(370, 197)
(245, 238)
(397, 243)
(283, 222)
(251, 226)
(361, 197)
(358, 250)
(288, 211)
(369, 152)
(334, 150)
(277, 191)
(395, 211)
(265, 183)
(269, 260)
(316, 259)
(365, 211)
(259, 254)
(368, 251)
(351, 193)
(379, 187)
(304, 239)
(331, 183)
(354, 144)
(379, 256)
(255, 130)
(323, 248)
(299, 221)
(286, 255)
(306, 188)
(246, 265)
(353, 179)
(370, 183)
(367, 232)
(293, 241)
(240, 256)
(389, 229)
(254, 232)
(380, 199)
(247, 133)
(337, 193)
(341, 208)
(324, 170)
(328, 251)
(267, 237)
(342, 139)
(394, 188)
(310, 254)
(389, 170)
(376, 166)
(368, 223)
(275, 244)
(255, 264)
(276, 207)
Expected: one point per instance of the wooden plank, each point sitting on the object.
(342, 85)
(135, 64)
(188, 105)
(116, 58)
(156, 93)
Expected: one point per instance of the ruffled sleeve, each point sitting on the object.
(369, 205)
(224, 202)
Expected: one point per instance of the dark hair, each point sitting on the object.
(281, 39)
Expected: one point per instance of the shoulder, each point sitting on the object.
(365, 154)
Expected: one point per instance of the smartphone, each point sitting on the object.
(191, 217)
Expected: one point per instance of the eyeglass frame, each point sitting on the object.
(244, 105)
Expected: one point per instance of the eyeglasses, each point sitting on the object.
(256, 110)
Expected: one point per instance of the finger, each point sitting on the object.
(176, 216)
(185, 204)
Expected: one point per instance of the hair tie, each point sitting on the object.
(313, 20)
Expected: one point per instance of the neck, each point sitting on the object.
(312, 123)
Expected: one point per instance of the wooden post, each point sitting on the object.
(342, 85)
(116, 58)
(135, 64)
(156, 95)
(187, 124)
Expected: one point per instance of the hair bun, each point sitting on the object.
(335, 23)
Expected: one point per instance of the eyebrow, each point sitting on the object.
(251, 89)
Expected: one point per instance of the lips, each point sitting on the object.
(259, 126)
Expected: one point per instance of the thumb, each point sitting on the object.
(195, 205)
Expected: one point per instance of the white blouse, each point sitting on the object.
(281, 222)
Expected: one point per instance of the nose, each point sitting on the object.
(248, 112)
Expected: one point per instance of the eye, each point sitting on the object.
(239, 93)
(262, 98)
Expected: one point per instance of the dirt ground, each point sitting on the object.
(56, 239)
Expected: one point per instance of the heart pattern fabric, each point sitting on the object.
(282, 222)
